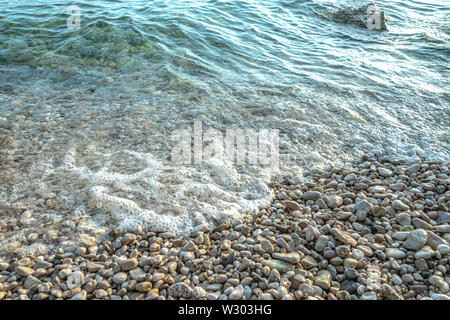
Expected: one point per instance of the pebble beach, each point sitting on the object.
(377, 230)
(100, 100)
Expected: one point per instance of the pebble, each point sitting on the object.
(396, 279)
(343, 251)
(363, 206)
(119, 278)
(416, 239)
(323, 279)
(334, 201)
(128, 264)
(369, 296)
(404, 219)
(395, 253)
(199, 292)
(279, 265)
(384, 172)
(309, 262)
(443, 249)
(321, 243)
(399, 205)
(434, 240)
(370, 236)
(80, 295)
(343, 237)
(312, 195)
(291, 257)
(267, 246)
(180, 290)
(424, 253)
(237, 293)
(436, 281)
(24, 271)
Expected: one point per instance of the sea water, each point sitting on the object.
(88, 111)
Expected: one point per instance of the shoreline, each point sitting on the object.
(378, 230)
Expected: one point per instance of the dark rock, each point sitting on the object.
(349, 286)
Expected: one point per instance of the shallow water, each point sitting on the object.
(86, 115)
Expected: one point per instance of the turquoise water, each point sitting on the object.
(80, 99)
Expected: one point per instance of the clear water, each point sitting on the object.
(87, 114)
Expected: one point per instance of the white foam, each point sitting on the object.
(161, 195)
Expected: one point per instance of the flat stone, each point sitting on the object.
(187, 255)
(424, 253)
(199, 292)
(344, 237)
(220, 278)
(292, 205)
(420, 224)
(24, 271)
(309, 262)
(439, 296)
(93, 267)
(291, 257)
(400, 235)
(419, 288)
(384, 172)
(31, 282)
(444, 228)
(350, 273)
(42, 265)
(397, 186)
(399, 205)
(312, 195)
(434, 240)
(395, 253)
(279, 265)
(350, 263)
(413, 168)
(378, 211)
(306, 289)
(406, 227)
